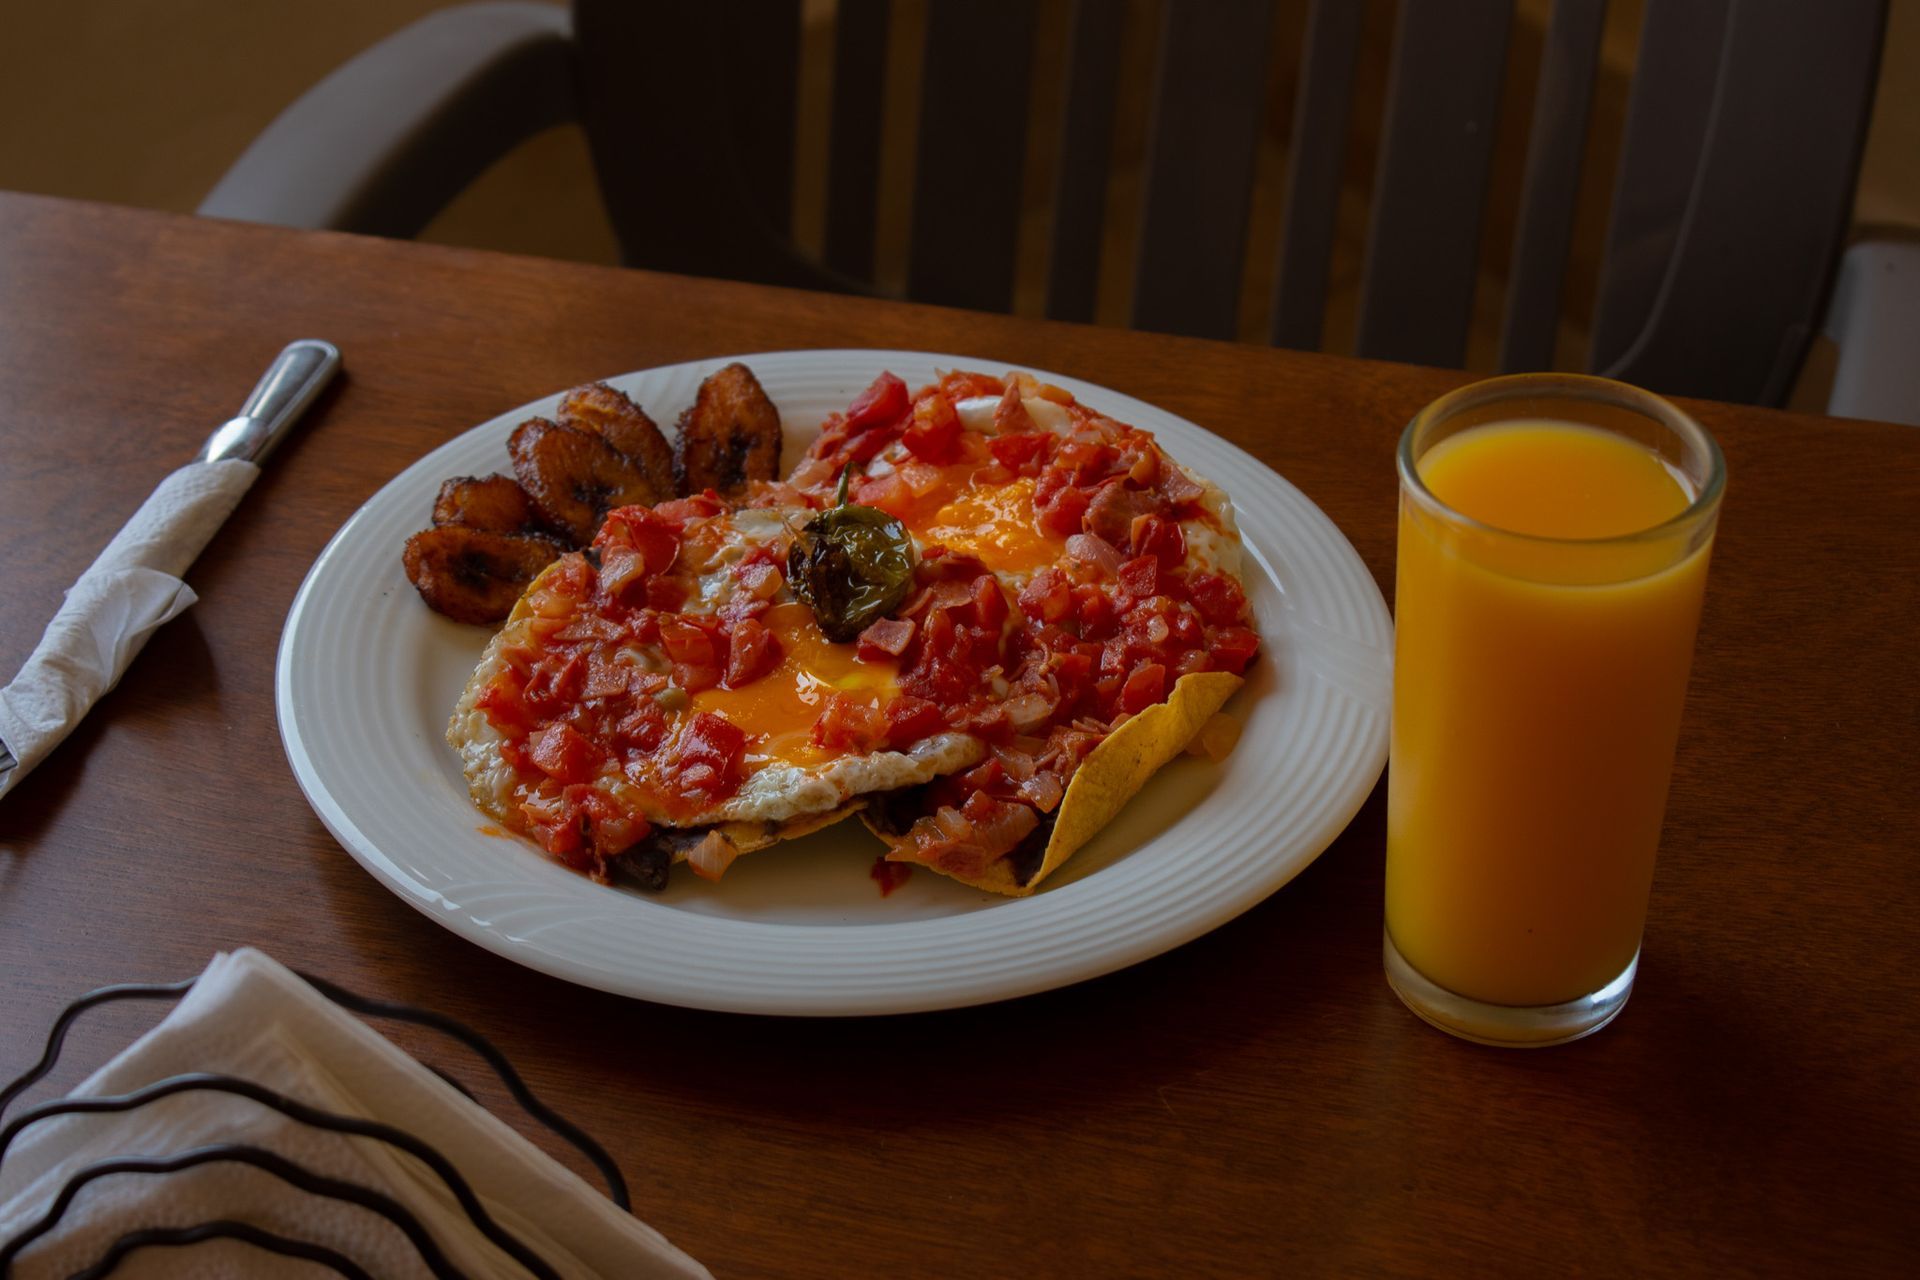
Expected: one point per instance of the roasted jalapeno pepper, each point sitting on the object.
(852, 565)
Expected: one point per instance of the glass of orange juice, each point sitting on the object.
(1554, 537)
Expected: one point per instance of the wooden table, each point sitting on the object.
(1256, 1102)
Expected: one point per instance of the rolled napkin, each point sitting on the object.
(134, 586)
(249, 1017)
(131, 589)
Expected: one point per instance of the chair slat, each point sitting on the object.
(972, 150)
(1556, 147)
(694, 153)
(1086, 141)
(762, 121)
(1315, 158)
(1209, 95)
(853, 141)
(1768, 206)
(1430, 188)
(1667, 109)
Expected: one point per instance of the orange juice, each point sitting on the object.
(1538, 686)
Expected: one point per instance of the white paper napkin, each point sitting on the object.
(248, 1016)
(130, 590)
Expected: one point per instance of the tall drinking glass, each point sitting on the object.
(1554, 538)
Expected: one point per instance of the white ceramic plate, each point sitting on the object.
(368, 674)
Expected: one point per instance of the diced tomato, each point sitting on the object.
(1232, 648)
(910, 719)
(504, 708)
(937, 675)
(665, 594)
(960, 385)
(567, 582)
(1191, 661)
(1187, 631)
(888, 493)
(1070, 669)
(1025, 449)
(1141, 575)
(1095, 610)
(687, 641)
(1161, 538)
(850, 724)
(1218, 598)
(1047, 597)
(989, 602)
(695, 676)
(889, 875)
(752, 651)
(882, 404)
(708, 756)
(984, 777)
(885, 640)
(558, 827)
(679, 512)
(643, 728)
(934, 432)
(1062, 512)
(651, 536)
(563, 754)
(1084, 461)
(555, 683)
(990, 722)
(605, 677)
(1146, 686)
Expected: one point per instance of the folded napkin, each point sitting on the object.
(128, 592)
(247, 1016)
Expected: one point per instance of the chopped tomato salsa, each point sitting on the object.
(1056, 592)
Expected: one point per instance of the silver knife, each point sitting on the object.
(291, 382)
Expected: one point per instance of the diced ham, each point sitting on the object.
(1010, 416)
(752, 651)
(1176, 486)
(886, 639)
(1113, 510)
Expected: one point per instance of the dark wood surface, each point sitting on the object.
(1256, 1102)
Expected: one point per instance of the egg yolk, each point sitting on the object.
(995, 525)
(781, 706)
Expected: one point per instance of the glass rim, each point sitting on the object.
(1571, 386)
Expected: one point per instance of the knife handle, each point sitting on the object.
(284, 391)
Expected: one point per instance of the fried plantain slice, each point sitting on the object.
(475, 575)
(575, 477)
(495, 503)
(623, 424)
(729, 436)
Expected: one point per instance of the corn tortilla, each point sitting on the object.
(1111, 775)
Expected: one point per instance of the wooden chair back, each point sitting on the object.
(1743, 131)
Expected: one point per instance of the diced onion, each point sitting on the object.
(1043, 790)
(1028, 711)
(1095, 551)
(712, 856)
